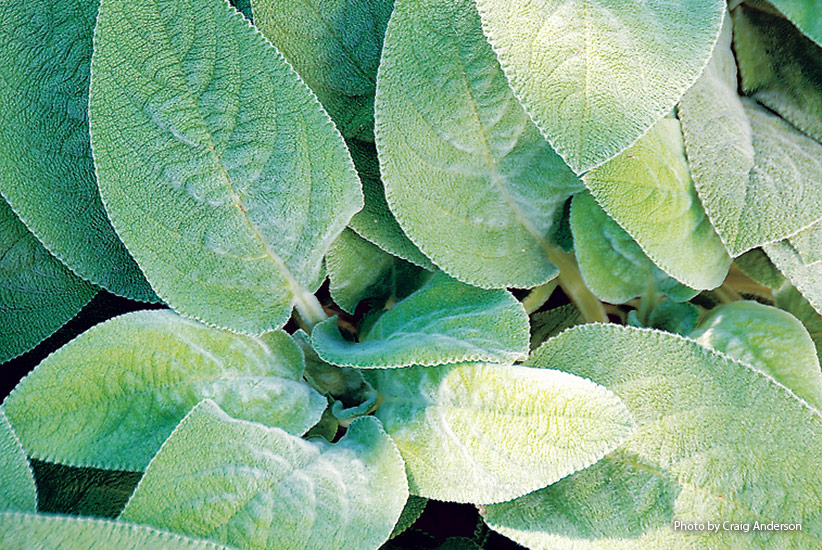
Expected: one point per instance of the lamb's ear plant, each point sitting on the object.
(560, 262)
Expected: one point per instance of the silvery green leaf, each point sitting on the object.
(276, 491)
(768, 339)
(38, 532)
(807, 278)
(679, 318)
(611, 263)
(808, 243)
(375, 222)
(38, 294)
(716, 441)
(789, 299)
(649, 192)
(46, 169)
(467, 174)
(804, 14)
(218, 167)
(482, 433)
(110, 397)
(17, 490)
(596, 75)
(445, 321)
(759, 178)
(335, 45)
(779, 67)
(756, 265)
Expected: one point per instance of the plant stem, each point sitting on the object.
(539, 295)
(738, 281)
(648, 302)
(572, 284)
(726, 294)
(310, 310)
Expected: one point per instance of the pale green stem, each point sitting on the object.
(309, 309)
(649, 301)
(726, 294)
(539, 295)
(572, 284)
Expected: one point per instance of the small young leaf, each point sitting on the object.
(38, 294)
(612, 264)
(779, 67)
(443, 322)
(218, 167)
(808, 243)
(649, 192)
(807, 278)
(717, 440)
(768, 339)
(335, 45)
(412, 511)
(756, 265)
(109, 398)
(36, 532)
(467, 174)
(46, 170)
(17, 490)
(375, 222)
(276, 491)
(481, 433)
(673, 317)
(596, 75)
(545, 324)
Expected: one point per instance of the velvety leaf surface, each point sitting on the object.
(768, 339)
(808, 243)
(375, 222)
(467, 174)
(804, 14)
(412, 511)
(94, 492)
(807, 278)
(109, 398)
(648, 191)
(545, 324)
(335, 45)
(38, 294)
(45, 156)
(220, 170)
(446, 321)
(358, 270)
(481, 433)
(612, 264)
(756, 265)
(789, 299)
(759, 178)
(673, 317)
(596, 75)
(36, 532)
(716, 440)
(779, 67)
(17, 490)
(277, 491)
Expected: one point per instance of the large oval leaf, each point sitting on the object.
(807, 278)
(595, 75)
(38, 294)
(17, 490)
(220, 170)
(277, 491)
(36, 532)
(767, 339)
(110, 397)
(335, 45)
(474, 432)
(443, 322)
(45, 156)
(716, 441)
(467, 174)
(649, 192)
(808, 243)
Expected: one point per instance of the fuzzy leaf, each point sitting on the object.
(807, 278)
(716, 440)
(94, 492)
(17, 490)
(790, 300)
(673, 317)
(38, 294)
(109, 398)
(768, 339)
(804, 14)
(596, 75)
(756, 265)
(412, 511)
(375, 222)
(220, 170)
(444, 322)
(36, 532)
(649, 192)
(45, 155)
(759, 178)
(808, 243)
(467, 174)
(480, 433)
(779, 67)
(545, 324)
(335, 45)
(612, 264)
(276, 491)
